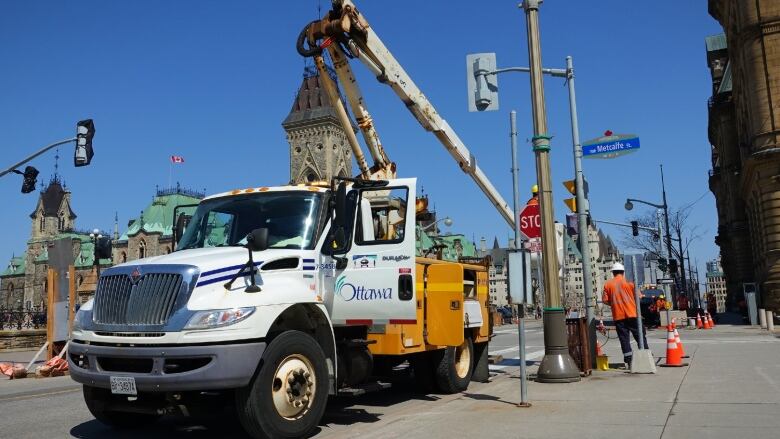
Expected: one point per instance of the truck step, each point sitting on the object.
(364, 388)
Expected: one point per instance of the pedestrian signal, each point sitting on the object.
(673, 266)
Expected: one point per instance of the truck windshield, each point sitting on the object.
(292, 220)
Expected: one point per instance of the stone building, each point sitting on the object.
(318, 144)
(744, 109)
(151, 234)
(24, 281)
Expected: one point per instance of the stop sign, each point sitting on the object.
(531, 221)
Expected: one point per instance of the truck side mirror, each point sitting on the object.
(340, 207)
(181, 224)
(257, 240)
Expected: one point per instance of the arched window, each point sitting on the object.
(79, 280)
(123, 257)
(61, 225)
(43, 223)
(141, 249)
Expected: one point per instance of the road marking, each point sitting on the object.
(36, 395)
(514, 331)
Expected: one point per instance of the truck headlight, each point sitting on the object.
(81, 316)
(218, 317)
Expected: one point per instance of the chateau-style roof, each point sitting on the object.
(311, 102)
(51, 199)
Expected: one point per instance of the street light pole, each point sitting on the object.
(557, 365)
(582, 213)
(95, 235)
(668, 232)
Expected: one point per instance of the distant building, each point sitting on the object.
(716, 283)
(24, 281)
(151, 234)
(319, 149)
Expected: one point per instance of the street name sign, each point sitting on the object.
(609, 147)
(531, 221)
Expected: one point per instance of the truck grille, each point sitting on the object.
(149, 302)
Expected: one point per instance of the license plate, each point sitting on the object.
(123, 386)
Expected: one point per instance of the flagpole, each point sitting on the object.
(170, 172)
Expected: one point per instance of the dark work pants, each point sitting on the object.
(623, 328)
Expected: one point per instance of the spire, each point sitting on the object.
(56, 163)
(116, 225)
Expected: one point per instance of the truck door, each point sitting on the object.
(377, 286)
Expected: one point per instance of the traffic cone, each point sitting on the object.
(673, 356)
(699, 325)
(712, 321)
(678, 341)
(706, 322)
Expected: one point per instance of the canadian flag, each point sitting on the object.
(177, 159)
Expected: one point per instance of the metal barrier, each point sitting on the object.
(19, 319)
(579, 345)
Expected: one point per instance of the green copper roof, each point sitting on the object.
(15, 267)
(571, 247)
(158, 216)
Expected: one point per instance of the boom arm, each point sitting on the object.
(346, 27)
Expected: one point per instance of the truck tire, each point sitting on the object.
(98, 399)
(453, 372)
(481, 371)
(287, 396)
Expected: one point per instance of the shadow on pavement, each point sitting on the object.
(167, 428)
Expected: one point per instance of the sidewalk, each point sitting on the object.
(730, 389)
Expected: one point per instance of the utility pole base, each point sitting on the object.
(557, 366)
(642, 362)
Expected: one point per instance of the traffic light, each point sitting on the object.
(85, 131)
(673, 266)
(30, 175)
(635, 228)
(571, 203)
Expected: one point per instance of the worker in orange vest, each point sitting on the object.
(619, 295)
(534, 195)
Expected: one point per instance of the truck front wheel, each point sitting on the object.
(287, 396)
(453, 372)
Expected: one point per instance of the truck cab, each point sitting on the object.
(277, 297)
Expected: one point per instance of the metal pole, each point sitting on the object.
(41, 151)
(557, 365)
(582, 213)
(668, 233)
(639, 327)
(521, 305)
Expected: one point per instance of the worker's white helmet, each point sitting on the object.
(618, 267)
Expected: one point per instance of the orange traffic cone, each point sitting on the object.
(712, 321)
(706, 322)
(699, 325)
(673, 356)
(677, 341)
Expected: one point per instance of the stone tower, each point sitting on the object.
(318, 145)
(52, 214)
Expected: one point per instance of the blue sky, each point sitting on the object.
(212, 81)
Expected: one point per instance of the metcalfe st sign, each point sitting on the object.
(609, 147)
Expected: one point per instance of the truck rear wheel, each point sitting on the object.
(287, 397)
(98, 399)
(453, 372)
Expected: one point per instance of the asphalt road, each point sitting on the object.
(54, 407)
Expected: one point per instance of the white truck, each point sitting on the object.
(277, 297)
